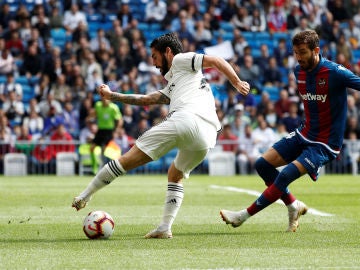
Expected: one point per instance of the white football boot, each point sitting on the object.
(79, 202)
(232, 217)
(294, 215)
(157, 233)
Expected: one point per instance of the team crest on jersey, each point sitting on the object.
(171, 87)
(322, 82)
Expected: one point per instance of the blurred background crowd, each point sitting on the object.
(55, 53)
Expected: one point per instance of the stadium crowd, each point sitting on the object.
(62, 75)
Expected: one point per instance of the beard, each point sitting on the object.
(309, 64)
(165, 66)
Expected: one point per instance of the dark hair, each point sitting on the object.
(167, 40)
(308, 37)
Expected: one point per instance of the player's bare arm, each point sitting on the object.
(133, 99)
(224, 67)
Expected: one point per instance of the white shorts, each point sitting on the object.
(192, 135)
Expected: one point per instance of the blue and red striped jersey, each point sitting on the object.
(324, 94)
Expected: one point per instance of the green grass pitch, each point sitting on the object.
(39, 229)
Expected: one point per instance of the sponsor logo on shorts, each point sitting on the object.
(309, 162)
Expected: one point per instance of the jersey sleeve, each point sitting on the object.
(349, 78)
(189, 61)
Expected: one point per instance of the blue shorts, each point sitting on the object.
(311, 155)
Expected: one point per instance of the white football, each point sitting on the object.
(98, 225)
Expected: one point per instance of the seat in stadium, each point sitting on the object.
(221, 163)
(15, 164)
(66, 163)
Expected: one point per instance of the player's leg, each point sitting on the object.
(130, 160)
(266, 166)
(183, 164)
(290, 173)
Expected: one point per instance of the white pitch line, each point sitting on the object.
(257, 194)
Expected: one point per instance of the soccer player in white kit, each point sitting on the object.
(191, 125)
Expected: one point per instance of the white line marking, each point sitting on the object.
(257, 194)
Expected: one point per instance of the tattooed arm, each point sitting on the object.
(134, 99)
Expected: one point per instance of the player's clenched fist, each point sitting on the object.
(104, 91)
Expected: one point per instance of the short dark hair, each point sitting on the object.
(167, 40)
(308, 37)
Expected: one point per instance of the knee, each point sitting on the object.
(260, 165)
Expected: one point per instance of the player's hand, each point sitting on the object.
(104, 91)
(243, 88)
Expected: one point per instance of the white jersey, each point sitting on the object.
(188, 90)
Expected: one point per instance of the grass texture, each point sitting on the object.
(40, 230)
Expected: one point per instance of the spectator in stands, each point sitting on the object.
(240, 121)
(49, 103)
(241, 20)
(338, 10)
(272, 74)
(25, 31)
(100, 38)
(22, 134)
(5, 139)
(124, 15)
(70, 116)
(247, 152)
(124, 62)
(123, 140)
(32, 66)
(344, 48)
(13, 108)
(276, 18)
(5, 15)
(43, 26)
(352, 35)
(87, 133)
(72, 18)
(61, 140)
(15, 45)
(292, 120)
(293, 17)
(263, 60)
(263, 136)
(352, 126)
(270, 115)
(34, 123)
(228, 140)
(257, 21)
(250, 72)
(202, 36)
(81, 31)
(42, 158)
(282, 52)
(56, 18)
(155, 11)
(141, 126)
(60, 88)
(238, 43)
(183, 18)
(229, 10)
(10, 85)
(282, 105)
(7, 62)
(352, 109)
(303, 26)
(262, 105)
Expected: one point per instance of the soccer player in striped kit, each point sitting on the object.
(191, 125)
(322, 85)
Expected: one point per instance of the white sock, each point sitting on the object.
(292, 206)
(173, 200)
(104, 177)
(244, 214)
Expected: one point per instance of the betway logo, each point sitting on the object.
(312, 97)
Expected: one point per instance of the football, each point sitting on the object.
(98, 225)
